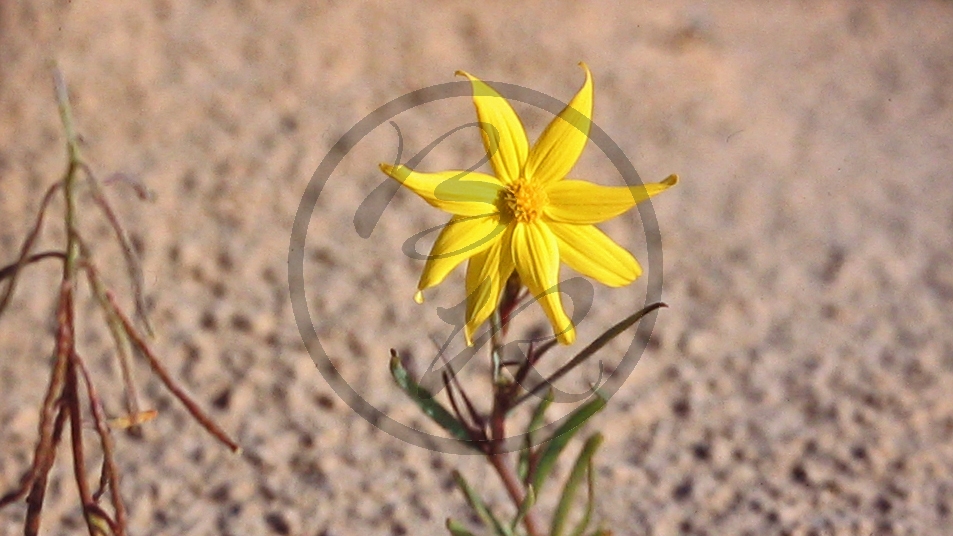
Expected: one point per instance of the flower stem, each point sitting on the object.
(503, 394)
(515, 490)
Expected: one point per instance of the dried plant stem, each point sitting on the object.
(119, 335)
(71, 401)
(38, 480)
(110, 473)
(13, 271)
(51, 428)
(62, 400)
(197, 413)
(9, 270)
(71, 390)
(132, 261)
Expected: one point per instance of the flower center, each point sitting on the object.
(524, 200)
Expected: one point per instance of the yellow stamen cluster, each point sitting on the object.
(524, 200)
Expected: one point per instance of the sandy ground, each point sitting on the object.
(799, 383)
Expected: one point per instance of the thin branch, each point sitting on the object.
(478, 419)
(51, 429)
(532, 356)
(119, 335)
(170, 384)
(50, 414)
(134, 182)
(476, 431)
(31, 527)
(27, 247)
(110, 472)
(133, 267)
(10, 269)
(71, 403)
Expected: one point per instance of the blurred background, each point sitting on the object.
(798, 384)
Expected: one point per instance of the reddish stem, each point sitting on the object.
(500, 462)
(71, 400)
(163, 374)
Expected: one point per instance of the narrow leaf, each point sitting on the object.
(580, 469)
(535, 423)
(590, 350)
(527, 503)
(475, 502)
(456, 529)
(561, 438)
(590, 492)
(425, 400)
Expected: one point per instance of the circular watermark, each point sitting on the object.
(369, 213)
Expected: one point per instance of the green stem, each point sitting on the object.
(496, 346)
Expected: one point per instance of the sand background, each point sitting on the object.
(799, 384)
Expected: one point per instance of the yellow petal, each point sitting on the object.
(503, 134)
(461, 238)
(464, 193)
(585, 202)
(536, 254)
(561, 144)
(487, 274)
(590, 252)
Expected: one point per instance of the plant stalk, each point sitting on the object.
(502, 395)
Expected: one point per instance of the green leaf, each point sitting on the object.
(456, 529)
(561, 438)
(615, 331)
(475, 502)
(425, 400)
(582, 468)
(535, 423)
(527, 503)
(539, 414)
(590, 350)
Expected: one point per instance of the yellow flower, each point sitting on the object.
(529, 216)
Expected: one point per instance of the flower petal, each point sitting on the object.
(559, 147)
(590, 252)
(536, 254)
(487, 274)
(503, 134)
(461, 238)
(584, 202)
(464, 193)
